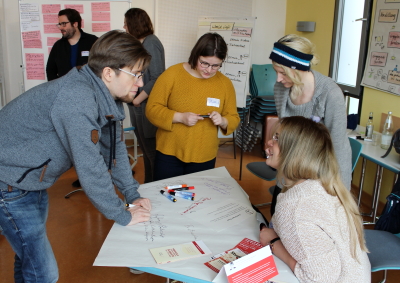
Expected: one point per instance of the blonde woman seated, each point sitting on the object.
(317, 228)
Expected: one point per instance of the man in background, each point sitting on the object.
(72, 49)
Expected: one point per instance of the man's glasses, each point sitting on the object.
(205, 65)
(138, 77)
(62, 24)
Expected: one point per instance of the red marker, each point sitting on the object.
(183, 189)
(176, 186)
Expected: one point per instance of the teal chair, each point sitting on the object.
(384, 250)
(356, 148)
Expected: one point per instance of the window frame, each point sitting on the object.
(357, 91)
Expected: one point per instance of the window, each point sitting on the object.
(349, 48)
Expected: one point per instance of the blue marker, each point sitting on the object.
(177, 193)
(168, 196)
(184, 197)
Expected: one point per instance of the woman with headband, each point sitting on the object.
(301, 91)
(189, 102)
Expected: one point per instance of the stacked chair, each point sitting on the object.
(262, 81)
(259, 104)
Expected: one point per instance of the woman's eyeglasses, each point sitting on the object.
(275, 137)
(205, 65)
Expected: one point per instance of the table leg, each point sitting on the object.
(375, 194)
(364, 163)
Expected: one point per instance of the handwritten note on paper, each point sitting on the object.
(223, 215)
(388, 16)
(30, 17)
(51, 8)
(50, 18)
(30, 26)
(34, 66)
(100, 6)
(394, 39)
(378, 59)
(52, 40)
(101, 27)
(240, 31)
(28, 7)
(32, 43)
(100, 16)
(29, 35)
(218, 26)
(51, 28)
(78, 7)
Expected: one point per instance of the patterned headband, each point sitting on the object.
(290, 57)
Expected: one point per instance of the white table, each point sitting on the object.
(129, 245)
(373, 154)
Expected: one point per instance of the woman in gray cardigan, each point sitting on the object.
(300, 91)
(137, 22)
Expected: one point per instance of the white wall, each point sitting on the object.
(270, 26)
(12, 51)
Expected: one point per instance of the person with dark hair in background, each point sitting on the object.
(74, 120)
(137, 23)
(72, 49)
(189, 102)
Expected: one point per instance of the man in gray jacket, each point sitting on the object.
(73, 121)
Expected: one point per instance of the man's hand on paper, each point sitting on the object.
(143, 202)
(266, 235)
(139, 214)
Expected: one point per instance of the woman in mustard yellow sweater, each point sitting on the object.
(189, 102)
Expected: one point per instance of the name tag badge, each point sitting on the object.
(85, 53)
(212, 102)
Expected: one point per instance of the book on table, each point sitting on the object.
(179, 252)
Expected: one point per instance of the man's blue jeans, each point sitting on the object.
(23, 216)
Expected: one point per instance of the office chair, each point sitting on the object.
(384, 251)
(260, 169)
(134, 158)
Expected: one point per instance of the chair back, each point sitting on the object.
(356, 148)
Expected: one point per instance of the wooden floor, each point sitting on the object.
(77, 230)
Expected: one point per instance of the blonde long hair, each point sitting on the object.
(302, 45)
(306, 152)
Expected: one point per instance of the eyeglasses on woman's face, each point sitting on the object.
(138, 77)
(275, 137)
(206, 65)
(62, 24)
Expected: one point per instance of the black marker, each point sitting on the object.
(205, 116)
